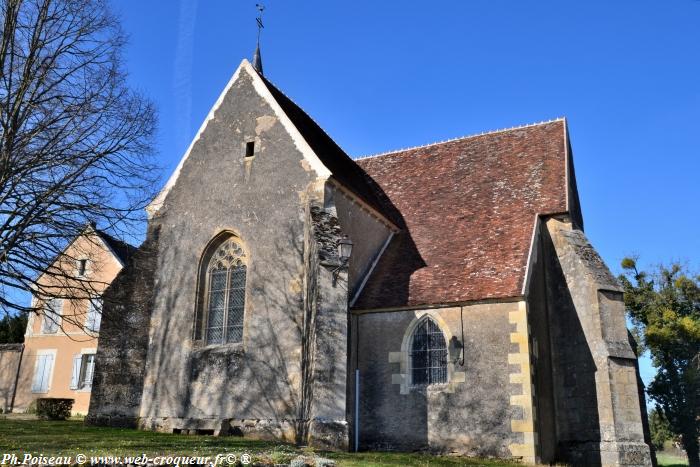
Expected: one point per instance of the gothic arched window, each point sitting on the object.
(428, 354)
(224, 293)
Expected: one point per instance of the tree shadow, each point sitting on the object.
(471, 417)
(281, 380)
(262, 387)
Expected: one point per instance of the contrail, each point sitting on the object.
(182, 80)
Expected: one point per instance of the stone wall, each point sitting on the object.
(472, 414)
(257, 387)
(10, 361)
(325, 337)
(260, 200)
(122, 350)
(287, 378)
(596, 403)
(540, 338)
(367, 233)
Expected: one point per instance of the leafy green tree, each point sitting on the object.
(665, 310)
(660, 429)
(12, 328)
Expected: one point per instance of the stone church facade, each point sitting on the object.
(472, 315)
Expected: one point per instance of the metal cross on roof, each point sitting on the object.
(257, 59)
(260, 8)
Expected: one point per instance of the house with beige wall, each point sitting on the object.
(61, 340)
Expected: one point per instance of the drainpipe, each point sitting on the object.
(357, 409)
(357, 383)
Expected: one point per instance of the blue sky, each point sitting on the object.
(386, 75)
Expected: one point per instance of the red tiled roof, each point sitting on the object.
(468, 209)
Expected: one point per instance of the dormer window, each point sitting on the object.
(81, 267)
(249, 149)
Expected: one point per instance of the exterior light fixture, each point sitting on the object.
(344, 249)
(344, 252)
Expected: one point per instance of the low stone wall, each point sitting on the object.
(123, 347)
(10, 360)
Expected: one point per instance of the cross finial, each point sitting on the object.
(260, 8)
(257, 59)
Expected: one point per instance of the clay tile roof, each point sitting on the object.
(342, 166)
(468, 210)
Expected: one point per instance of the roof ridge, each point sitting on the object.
(113, 238)
(459, 138)
(331, 155)
(120, 248)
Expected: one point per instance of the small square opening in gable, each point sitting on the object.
(249, 149)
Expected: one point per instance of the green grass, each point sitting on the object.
(669, 460)
(68, 438)
(400, 459)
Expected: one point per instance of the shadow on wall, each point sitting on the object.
(574, 370)
(167, 382)
(10, 377)
(472, 417)
(274, 375)
(391, 278)
(388, 286)
(263, 387)
(123, 345)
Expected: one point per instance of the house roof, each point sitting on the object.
(468, 210)
(342, 167)
(122, 250)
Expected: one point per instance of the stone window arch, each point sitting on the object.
(222, 292)
(428, 354)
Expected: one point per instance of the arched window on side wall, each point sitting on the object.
(222, 298)
(428, 354)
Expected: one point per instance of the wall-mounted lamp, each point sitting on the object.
(344, 252)
(344, 249)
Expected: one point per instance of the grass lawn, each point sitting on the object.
(669, 460)
(69, 438)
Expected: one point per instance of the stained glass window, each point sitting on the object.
(428, 354)
(226, 278)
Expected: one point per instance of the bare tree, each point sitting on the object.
(76, 142)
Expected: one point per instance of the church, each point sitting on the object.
(441, 298)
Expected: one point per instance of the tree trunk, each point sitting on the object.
(690, 444)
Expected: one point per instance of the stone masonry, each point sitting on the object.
(597, 399)
(478, 239)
